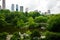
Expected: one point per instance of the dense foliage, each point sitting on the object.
(32, 25)
(54, 23)
(3, 36)
(52, 36)
(16, 36)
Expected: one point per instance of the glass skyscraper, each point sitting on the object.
(21, 8)
(12, 7)
(3, 4)
(0, 7)
(16, 7)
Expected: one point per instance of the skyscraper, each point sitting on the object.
(21, 8)
(0, 7)
(0, 4)
(26, 10)
(49, 11)
(12, 7)
(3, 4)
(16, 7)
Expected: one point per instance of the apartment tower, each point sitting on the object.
(12, 7)
(0, 7)
(3, 4)
(16, 7)
(21, 8)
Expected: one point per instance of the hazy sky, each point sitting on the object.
(43, 5)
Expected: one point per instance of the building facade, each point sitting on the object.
(26, 10)
(21, 8)
(49, 11)
(16, 7)
(0, 7)
(12, 7)
(3, 4)
(0, 4)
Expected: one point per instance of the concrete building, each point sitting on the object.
(16, 7)
(36, 10)
(49, 11)
(0, 7)
(26, 10)
(12, 7)
(21, 8)
(0, 4)
(3, 4)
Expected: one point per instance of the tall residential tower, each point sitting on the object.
(21, 8)
(0, 7)
(3, 4)
(0, 4)
(16, 7)
(12, 7)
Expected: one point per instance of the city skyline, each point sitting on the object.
(41, 5)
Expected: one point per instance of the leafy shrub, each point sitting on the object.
(35, 34)
(3, 36)
(15, 36)
(52, 36)
(54, 24)
(41, 19)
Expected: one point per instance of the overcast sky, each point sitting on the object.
(42, 5)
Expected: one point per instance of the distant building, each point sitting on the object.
(46, 13)
(49, 11)
(0, 7)
(3, 4)
(39, 11)
(12, 7)
(16, 7)
(21, 8)
(36, 10)
(26, 10)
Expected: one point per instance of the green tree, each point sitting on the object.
(41, 19)
(31, 23)
(16, 36)
(33, 14)
(20, 23)
(4, 11)
(35, 35)
(54, 23)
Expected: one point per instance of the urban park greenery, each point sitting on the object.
(31, 25)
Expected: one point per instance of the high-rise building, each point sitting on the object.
(49, 11)
(36, 10)
(16, 7)
(21, 8)
(12, 7)
(0, 7)
(3, 4)
(26, 10)
(0, 4)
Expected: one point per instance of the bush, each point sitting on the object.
(52, 36)
(35, 35)
(54, 24)
(3, 36)
(41, 19)
(16, 36)
(5, 11)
